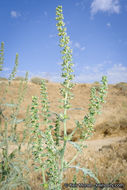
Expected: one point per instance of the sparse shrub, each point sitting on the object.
(3, 79)
(96, 82)
(122, 86)
(19, 78)
(37, 80)
(83, 85)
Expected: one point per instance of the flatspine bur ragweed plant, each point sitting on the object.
(1, 55)
(12, 166)
(55, 164)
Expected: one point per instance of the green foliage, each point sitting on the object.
(1, 56)
(12, 166)
(40, 139)
(12, 75)
(97, 86)
(55, 165)
(37, 80)
(43, 143)
(94, 108)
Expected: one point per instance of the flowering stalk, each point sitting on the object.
(1, 56)
(67, 85)
(55, 165)
(51, 163)
(53, 158)
(94, 109)
(65, 92)
(36, 145)
(11, 166)
(11, 77)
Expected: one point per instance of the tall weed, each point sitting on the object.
(48, 151)
(55, 164)
(12, 165)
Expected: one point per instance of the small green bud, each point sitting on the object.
(67, 138)
(45, 185)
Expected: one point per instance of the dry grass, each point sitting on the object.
(37, 80)
(122, 86)
(111, 159)
(3, 79)
(19, 78)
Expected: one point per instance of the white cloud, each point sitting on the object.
(115, 73)
(15, 14)
(81, 4)
(87, 67)
(111, 6)
(108, 24)
(77, 45)
(83, 48)
(51, 35)
(88, 74)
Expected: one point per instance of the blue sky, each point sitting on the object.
(98, 38)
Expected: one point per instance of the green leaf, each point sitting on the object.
(50, 126)
(18, 121)
(12, 155)
(76, 109)
(2, 144)
(86, 172)
(77, 146)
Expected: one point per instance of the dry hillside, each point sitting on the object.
(107, 148)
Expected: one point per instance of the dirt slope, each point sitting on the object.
(107, 147)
